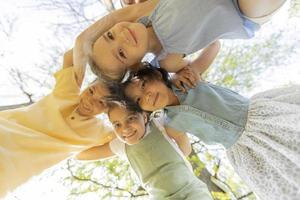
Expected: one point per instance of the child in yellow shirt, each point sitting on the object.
(38, 136)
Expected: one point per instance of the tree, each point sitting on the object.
(237, 67)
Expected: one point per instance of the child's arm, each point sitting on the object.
(175, 62)
(189, 75)
(75, 58)
(206, 58)
(68, 59)
(96, 153)
(181, 139)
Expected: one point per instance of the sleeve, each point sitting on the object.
(66, 85)
(118, 148)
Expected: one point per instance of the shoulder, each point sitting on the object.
(66, 83)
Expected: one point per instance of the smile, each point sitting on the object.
(129, 136)
(132, 36)
(85, 106)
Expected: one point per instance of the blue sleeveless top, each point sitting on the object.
(186, 26)
(212, 113)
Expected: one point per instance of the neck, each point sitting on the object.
(82, 115)
(154, 45)
(173, 99)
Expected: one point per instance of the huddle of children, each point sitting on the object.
(261, 133)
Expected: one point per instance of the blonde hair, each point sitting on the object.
(102, 73)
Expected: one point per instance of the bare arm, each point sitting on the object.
(181, 139)
(80, 60)
(173, 62)
(206, 58)
(74, 58)
(68, 59)
(96, 153)
(187, 75)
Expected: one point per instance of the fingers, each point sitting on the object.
(189, 77)
(187, 81)
(179, 85)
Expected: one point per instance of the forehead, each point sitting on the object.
(119, 113)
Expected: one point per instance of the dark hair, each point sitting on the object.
(149, 72)
(120, 100)
(117, 97)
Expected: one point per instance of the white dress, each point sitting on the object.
(267, 155)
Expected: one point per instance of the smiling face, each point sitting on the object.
(122, 46)
(129, 126)
(150, 95)
(92, 100)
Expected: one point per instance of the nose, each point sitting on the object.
(148, 96)
(88, 101)
(124, 37)
(126, 131)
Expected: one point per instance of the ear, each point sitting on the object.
(145, 117)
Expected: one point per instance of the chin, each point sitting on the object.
(132, 142)
(84, 113)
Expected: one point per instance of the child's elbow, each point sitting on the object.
(189, 150)
(80, 156)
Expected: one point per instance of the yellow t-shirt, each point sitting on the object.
(36, 137)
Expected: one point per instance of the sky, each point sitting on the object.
(23, 49)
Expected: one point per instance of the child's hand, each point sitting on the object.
(186, 77)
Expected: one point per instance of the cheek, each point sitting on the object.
(145, 105)
(101, 108)
(129, 91)
(136, 55)
(142, 131)
(118, 135)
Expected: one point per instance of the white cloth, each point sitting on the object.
(267, 155)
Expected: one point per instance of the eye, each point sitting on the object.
(138, 100)
(110, 35)
(91, 91)
(117, 125)
(102, 102)
(143, 84)
(122, 54)
(132, 118)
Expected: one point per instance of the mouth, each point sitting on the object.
(132, 36)
(130, 136)
(84, 106)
